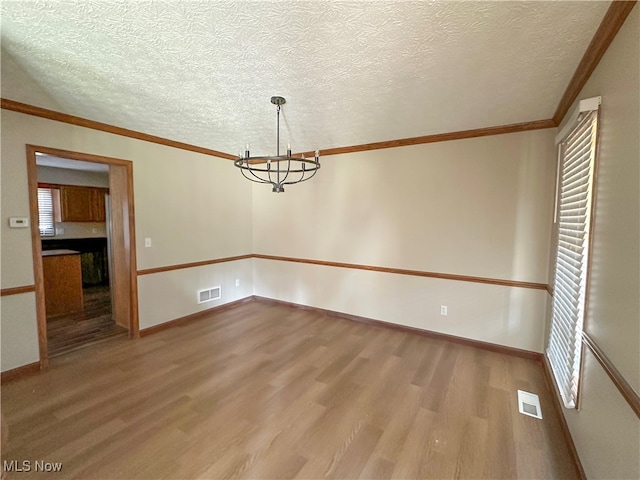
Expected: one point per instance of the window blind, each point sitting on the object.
(575, 199)
(45, 212)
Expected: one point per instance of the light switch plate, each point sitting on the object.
(18, 222)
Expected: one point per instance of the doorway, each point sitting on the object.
(97, 294)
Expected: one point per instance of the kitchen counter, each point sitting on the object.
(60, 251)
(93, 256)
(80, 244)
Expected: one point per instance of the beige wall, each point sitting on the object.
(18, 331)
(605, 430)
(193, 206)
(66, 176)
(479, 207)
(180, 286)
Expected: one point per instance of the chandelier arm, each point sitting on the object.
(258, 179)
(283, 181)
(304, 171)
(269, 172)
(303, 179)
(278, 173)
(242, 169)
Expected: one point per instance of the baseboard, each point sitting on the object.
(563, 422)
(425, 333)
(194, 316)
(19, 372)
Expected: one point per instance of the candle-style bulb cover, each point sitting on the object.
(288, 149)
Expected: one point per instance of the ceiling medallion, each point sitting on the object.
(278, 170)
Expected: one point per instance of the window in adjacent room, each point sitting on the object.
(46, 212)
(575, 199)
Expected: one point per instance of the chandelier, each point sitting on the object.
(278, 170)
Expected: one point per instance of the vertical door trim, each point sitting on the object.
(41, 314)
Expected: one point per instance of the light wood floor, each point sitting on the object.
(269, 391)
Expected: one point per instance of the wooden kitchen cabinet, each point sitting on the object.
(98, 212)
(62, 282)
(82, 204)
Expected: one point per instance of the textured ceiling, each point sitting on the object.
(44, 160)
(202, 72)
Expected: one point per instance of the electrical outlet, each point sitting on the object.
(147, 242)
(443, 310)
(237, 282)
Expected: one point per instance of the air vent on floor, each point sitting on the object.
(209, 294)
(529, 404)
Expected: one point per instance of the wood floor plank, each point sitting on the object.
(437, 388)
(270, 391)
(500, 439)
(356, 451)
(471, 456)
(93, 324)
(401, 418)
(378, 468)
(411, 460)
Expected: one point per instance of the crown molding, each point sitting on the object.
(440, 137)
(105, 127)
(608, 29)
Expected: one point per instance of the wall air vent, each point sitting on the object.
(529, 404)
(209, 294)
